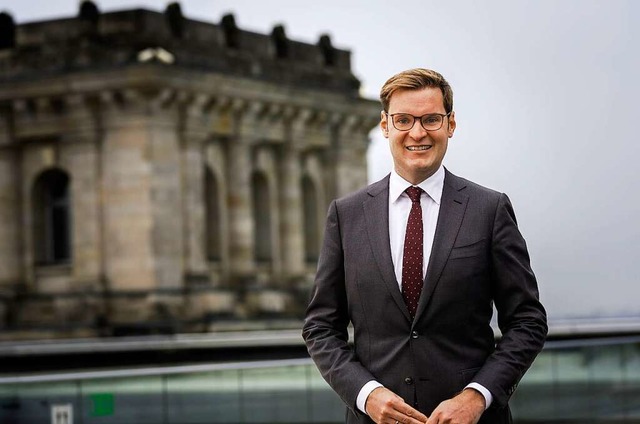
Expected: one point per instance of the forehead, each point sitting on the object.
(417, 102)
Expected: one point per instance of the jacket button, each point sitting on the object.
(414, 334)
(408, 381)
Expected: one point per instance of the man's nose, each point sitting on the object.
(417, 132)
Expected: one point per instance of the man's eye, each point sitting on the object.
(403, 120)
(432, 119)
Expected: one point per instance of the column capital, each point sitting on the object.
(163, 99)
(201, 102)
(76, 100)
(221, 103)
(255, 109)
(322, 117)
(238, 105)
(19, 106)
(336, 118)
(301, 119)
(131, 96)
(275, 111)
(184, 97)
(43, 104)
(106, 97)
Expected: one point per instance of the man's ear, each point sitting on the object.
(384, 124)
(452, 124)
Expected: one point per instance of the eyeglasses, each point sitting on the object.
(405, 121)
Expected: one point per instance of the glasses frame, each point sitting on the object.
(417, 118)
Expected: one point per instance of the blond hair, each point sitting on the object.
(415, 79)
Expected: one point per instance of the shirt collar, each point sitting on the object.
(433, 185)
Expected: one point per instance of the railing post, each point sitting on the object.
(80, 402)
(165, 399)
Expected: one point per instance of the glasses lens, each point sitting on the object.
(432, 122)
(403, 121)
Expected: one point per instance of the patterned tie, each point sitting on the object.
(412, 257)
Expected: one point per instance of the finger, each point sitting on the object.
(433, 419)
(407, 420)
(415, 414)
(411, 416)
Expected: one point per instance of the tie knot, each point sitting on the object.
(414, 193)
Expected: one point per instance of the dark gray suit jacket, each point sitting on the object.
(479, 259)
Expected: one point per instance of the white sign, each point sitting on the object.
(62, 414)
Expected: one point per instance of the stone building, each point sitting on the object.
(159, 173)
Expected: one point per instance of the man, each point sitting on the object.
(417, 271)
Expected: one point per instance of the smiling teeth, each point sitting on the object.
(414, 148)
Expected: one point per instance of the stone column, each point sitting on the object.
(79, 155)
(192, 165)
(194, 207)
(127, 206)
(291, 227)
(82, 159)
(215, 157)
(313, 167)
(343, 158)
(350, 155)
(166, 199)
(10, 235)
(241, 227)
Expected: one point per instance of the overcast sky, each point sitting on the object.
(546, 97)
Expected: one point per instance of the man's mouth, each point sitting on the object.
(418, 148)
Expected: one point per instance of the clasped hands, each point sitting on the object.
(385, 407)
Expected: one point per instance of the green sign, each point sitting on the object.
(102, 404)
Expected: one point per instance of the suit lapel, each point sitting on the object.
(453, 205)
(376, 212)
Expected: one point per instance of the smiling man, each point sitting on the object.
(415, 263)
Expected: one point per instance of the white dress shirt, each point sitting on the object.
(399, 208)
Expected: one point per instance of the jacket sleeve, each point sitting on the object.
(327, 319)
(521, 316)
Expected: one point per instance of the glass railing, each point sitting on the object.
(578, 381)
(581, 381)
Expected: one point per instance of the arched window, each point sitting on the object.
(261, 218)
(310, 207)
(52, 218)
(212, 216)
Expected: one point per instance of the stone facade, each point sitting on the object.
(163, 174)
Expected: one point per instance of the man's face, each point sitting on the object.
(417, 153)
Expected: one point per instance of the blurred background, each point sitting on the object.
(165, 169)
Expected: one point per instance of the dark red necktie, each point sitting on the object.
(412, 257)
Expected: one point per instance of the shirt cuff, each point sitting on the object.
(488, 397)
(364, 393)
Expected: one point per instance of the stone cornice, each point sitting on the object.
(149, 80)
(119, 39)
(198, 98)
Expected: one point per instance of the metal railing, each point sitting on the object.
(581, 380)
